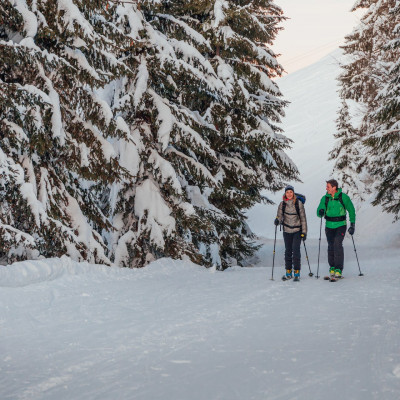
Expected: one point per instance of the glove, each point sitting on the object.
(321, 212)
(276, 222)
(304, 236)
(352, 228)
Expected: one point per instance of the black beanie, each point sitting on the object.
(289, 187)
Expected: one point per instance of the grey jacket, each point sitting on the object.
(291, 221)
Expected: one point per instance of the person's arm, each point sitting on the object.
(321, 207)
(279, 216)
(303, 218)
(349, 207)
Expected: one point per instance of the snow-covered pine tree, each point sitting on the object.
(206, 109)
(349, 153)
(54, 153)
(384, 144)
(252, 149)
(152, 124)
(153, 215)
(364, 76)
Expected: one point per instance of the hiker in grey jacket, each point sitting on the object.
(292, 216)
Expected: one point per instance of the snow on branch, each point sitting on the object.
(198, 37)
(153, 213)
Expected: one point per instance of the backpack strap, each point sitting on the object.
(296, 204)
(341, 200)
(326, 206)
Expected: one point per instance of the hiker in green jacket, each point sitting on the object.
(333, 207)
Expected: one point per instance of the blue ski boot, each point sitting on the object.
(296, 275)
(288, 275)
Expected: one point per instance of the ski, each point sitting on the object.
(284, 278)
(332, 278)
(296, 279)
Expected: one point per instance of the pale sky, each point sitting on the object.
(315, 28)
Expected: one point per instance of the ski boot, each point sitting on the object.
(338, 273)
(296, 275)
(288, 275)
(331, 274)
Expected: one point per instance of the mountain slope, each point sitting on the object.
(310, 123)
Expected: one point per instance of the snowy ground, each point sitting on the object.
(175, 331)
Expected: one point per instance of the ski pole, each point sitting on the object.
(361, 274)
(319, 247)
(305, 248)
(273, 259)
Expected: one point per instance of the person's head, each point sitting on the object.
(289, 192)
(332, 186)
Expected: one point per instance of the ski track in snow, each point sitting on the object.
(178, 331)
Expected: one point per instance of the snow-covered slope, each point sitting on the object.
(310, 123)
(177, 331)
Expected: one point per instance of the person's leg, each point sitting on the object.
(330, 237)
(288, 238)
(296, 250)
(338, 247)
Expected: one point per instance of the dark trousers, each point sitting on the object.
(335, 246)
(292, 250)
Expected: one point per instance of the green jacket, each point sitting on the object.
(335, 209)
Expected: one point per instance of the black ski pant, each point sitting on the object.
(292, 250)
(335, 246)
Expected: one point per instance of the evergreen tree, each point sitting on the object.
(136, 130)
(54, 153)
(206, 111)
(153, 214)
(365, 81)
(349, 154)
(384, 144)
(252, 150)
